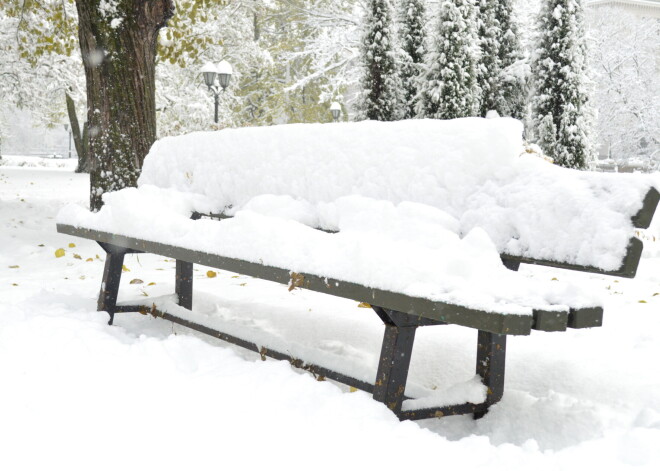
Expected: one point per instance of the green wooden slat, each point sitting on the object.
(585, 317)
(499, 323)
(628, 268)
(643, 218)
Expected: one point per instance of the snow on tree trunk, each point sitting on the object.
(560, 114)
(449, 89)
(118, 40)
(413, 43)
(381, 82)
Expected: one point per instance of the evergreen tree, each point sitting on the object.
(380, 83)
(490, 65)
(449, 89)
(502, 88)
(413, 19)
(559, 73)
(513, 88)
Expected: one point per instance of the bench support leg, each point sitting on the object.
(114, 260)
(183, 285)
(393, 365)
(491, 358)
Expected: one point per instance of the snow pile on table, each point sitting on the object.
(433, 202)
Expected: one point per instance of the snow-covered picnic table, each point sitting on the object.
(414, 217)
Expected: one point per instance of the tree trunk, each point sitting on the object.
(118, 43)
(79, 139)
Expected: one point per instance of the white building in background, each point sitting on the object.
(646, 8)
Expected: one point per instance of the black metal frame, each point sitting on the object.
(396, 350)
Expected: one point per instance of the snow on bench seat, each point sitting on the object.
(406, 249)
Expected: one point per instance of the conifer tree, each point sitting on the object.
(502, 89)
(559, 72)
(381, 82)
(513, 88)
(413, 19)
(449, 89)
(489, 65)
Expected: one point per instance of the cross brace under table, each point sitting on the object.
(395, 355)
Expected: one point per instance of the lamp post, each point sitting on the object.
(335, 109)
(66, 128)
(217, 79)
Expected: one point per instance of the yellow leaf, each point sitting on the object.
(236, 276)
(365, 305)
(211, 274)
(151, 284)
(125, 268)
(136, 281)
(554, 279)
(59, 253)
(97, 257)
(90, 259)
(642, 301)
(71, 245)
(14, 284)
(242, 284)
(352, 389)
(13, 266)
(75, 255)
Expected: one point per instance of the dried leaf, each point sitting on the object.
(297, 281)
(13, 266)
(59, 253)
(211, 274)
(243, 284)
(151, 284)
(90, 259)
(236, 276)
(656, 294)
(76, 256)
(136, 281)
(365, 305)
(41, 245)
(71, 245)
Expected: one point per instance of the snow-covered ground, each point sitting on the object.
(76, 393)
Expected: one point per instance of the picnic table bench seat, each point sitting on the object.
(270, 202)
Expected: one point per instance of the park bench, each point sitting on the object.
(467, 176)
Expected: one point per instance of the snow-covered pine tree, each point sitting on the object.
(380, 83)
(514, 68)
(498, 71)
(413, 44)
(559, 72)
(488, 67)
(449, 89)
